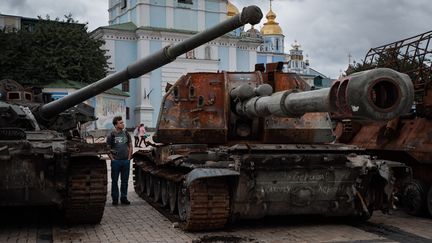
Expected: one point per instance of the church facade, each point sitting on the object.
(138, 28)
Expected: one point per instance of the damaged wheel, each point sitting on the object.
(148, 185)
(139, 181)
(172, 195)
(183, 203)
(429, 201)
(164, 193)
(414, 198)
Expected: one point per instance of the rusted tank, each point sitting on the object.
(406, 138)
(247, 145)
(43, 158)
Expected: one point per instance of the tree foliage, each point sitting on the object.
(53, 50)
(392, 58)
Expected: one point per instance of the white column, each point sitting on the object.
(214, 52)
(170, 14)
(143, 13)
(232, 58)
(252, 59)
(201, 15)
(223, 10)
(269, 59)
(143, 109)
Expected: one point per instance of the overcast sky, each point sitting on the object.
(328, 30)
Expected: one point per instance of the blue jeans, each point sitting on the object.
(119, 167)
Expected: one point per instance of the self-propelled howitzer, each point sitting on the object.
(43, 159)
(239, 145)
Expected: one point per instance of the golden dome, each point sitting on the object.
(231, 10)
(271, 27)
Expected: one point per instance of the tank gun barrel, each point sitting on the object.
(251, 15)
(378, 94)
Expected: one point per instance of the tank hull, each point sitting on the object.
(255, 181)
(407, 140)
(42, 168)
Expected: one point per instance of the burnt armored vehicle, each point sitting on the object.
(247, 145)
(43, 159)
(47, 162)
(407, 138)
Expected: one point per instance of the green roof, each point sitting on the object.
(123, 26)
(67, 84)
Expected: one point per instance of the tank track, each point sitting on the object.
(204, 205)
(86, 192)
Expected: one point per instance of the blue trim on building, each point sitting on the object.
(185, 19)
(133, 15)
(223, 53)
(155, 84)
(262, 59)
(93, 101)
(277, 59)
(243, 61)
(158, 16)
(211, 19)
(212, 6)
(57, 94)
(122, 61)
(124, 18)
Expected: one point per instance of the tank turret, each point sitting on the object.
(257, 106)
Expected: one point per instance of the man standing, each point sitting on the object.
(120, 144)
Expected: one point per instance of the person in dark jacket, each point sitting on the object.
(120, 144)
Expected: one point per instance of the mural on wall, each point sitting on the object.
(106, 109)
(55, 95)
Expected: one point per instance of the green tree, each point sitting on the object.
(54, 50)
(391, 58)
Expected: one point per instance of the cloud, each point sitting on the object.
(95, 12)
(328, 30)
(331, 30)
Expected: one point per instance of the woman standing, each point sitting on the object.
(141, 133)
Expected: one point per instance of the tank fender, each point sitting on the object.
(200, 173)
(388, 170)
(386, 167)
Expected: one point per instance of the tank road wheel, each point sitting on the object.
(148, 185)
(172, 195)
(156, 188)
(414, 198)
(164, 193)
(429, 200)
(86, 191)
(139, 183)
(183, 203)
(204, 205)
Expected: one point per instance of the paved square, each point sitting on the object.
(139, 222)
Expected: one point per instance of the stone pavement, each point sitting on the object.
(139, 222)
